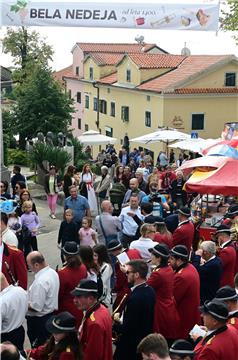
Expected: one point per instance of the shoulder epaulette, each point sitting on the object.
(68, 349)
(232, 321)
(12, 247)
(180, 271)
(210, 340)
(92, 317)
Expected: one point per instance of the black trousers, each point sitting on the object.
(36, 329)
(16, 337)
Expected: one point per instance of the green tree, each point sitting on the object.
(41, 105)
(229, 20)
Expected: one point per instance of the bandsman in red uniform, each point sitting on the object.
(63, 343)
(69, 276)
(13, 265)
(186, 290)
(121, 288)
(184, 234)
(221, 342)
(227, 254)
(181, 350)
(228, 295)
(166, 318)
(95, 331)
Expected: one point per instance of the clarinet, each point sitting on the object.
(12, 277)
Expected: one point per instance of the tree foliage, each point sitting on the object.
(229, 20)
(41, 105)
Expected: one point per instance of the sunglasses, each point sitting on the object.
(128, 272)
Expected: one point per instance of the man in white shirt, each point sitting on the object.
(8, 236)
(14, 305)
(145, 242)
(42, 298)
(129, 226)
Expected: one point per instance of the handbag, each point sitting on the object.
(107, 238)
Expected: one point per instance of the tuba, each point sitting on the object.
(116, 318)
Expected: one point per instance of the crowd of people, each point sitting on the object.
(134, 282)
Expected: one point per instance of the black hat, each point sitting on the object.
(232, 210)
(184, 211)
(216, 308)
(70, 248)
(114, 245)
(226, 293)
(62, 322)
(181, 348)
(180, 251)
(159, 221)
(86, 287)
(160, 250)
(223, 229)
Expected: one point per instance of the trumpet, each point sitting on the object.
(116, 318)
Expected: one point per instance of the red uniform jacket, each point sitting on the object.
(168, 240)
(121, 285)
(166, 318)
(65, 355)
(221, 346)
(187, 296)
(184, 234)
(16, 262)
(69, 279)
(96, 334)
(228, 260)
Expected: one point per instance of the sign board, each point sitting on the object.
(165, 15)
(194, 135)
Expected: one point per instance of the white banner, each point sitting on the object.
(164, 15)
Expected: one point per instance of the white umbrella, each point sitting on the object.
(166, 135)
(93, 137)
(194, 145)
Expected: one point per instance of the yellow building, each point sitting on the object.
(134, 94)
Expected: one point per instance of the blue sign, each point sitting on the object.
(194, 135)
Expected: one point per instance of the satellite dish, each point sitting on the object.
(139, 39)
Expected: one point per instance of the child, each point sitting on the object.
(87, 235)
(68, 230)
(31, 221)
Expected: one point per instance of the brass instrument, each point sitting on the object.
(116, 318)
(12, 277)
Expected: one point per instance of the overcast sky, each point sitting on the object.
(63, 39)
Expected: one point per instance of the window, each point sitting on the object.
(148, 118)
(109, 131)
(125, 113)
(86, 127)
(148, 97)
(86, 101)
(103, 106)
(113, 109)
(77, 70)
(91, 73)
(95, 104)
(230, 79)
(197, 121)
(69, 93)
(79, 123)
(79, 97)
(128, 75)
(108, 90)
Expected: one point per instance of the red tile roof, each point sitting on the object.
(155, 61)
(102, 59)
(117, 48)
(109, 79)
(66, 72)
(226, 90)
(189, 68)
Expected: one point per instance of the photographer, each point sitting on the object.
(160, 205)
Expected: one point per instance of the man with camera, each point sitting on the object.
(159, 201)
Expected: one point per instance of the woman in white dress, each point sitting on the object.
(102, 260)
(87, 177)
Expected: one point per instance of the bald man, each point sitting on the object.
(42, 298)
(134, 188)
(107, 226)
(9, 351)
(13, 309)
